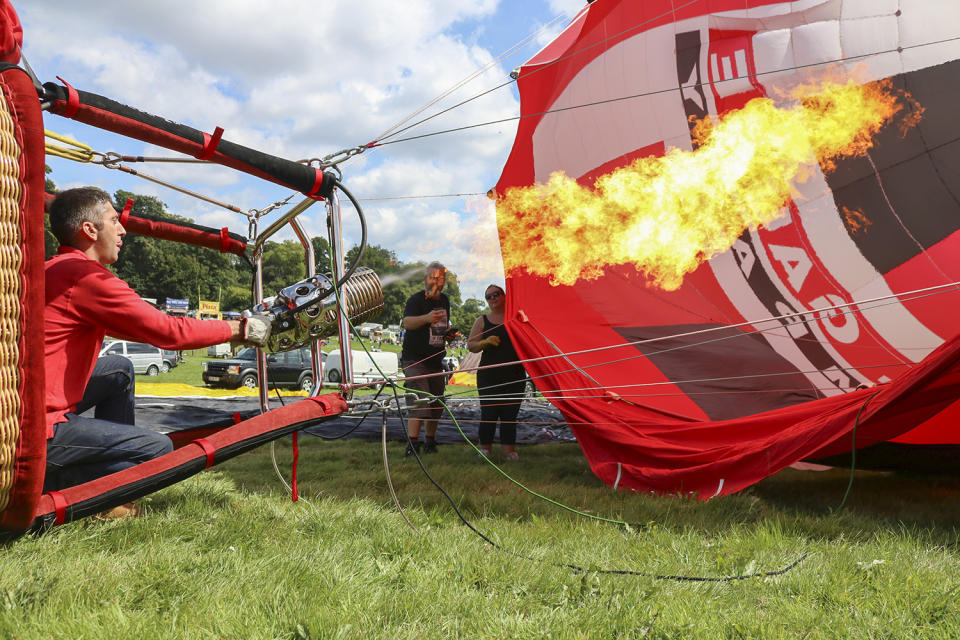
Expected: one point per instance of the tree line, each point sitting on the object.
(163, 269)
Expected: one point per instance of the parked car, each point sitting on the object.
(365, 366)
(146, 358)
(286, 369)
(170, 360)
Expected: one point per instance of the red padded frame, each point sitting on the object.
(30, 463)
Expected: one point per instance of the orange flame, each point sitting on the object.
(668, 215)
(856, 221)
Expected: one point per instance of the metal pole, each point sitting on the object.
(261, 356)
(315, 361)
(299, 208)
(335, 229)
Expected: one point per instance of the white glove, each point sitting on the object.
(256, 329)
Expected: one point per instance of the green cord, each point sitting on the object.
(853, 449)
(464, 436)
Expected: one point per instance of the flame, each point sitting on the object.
(668, 215)
(857, 222)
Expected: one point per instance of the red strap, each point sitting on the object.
(208, 449)
(59, 507)
(224, 240)
(323, 402)
(293, 472)
(210, 144)
(73, 100)
(125, 214)
(237, 418)
(317, 182)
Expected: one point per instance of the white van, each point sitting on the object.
(364, 369)
(223, 350)
(146, 358)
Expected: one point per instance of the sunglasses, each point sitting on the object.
(493, 296)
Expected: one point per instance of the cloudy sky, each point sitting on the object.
(303, 79)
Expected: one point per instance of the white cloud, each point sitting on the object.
(563, 11)
(299, 80)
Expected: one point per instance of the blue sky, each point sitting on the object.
(302, 80)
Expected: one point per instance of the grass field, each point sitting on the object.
(228, 555)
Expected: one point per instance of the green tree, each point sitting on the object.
(163, 269)
(283, 264)
(464, 316)
(395, 297)
(50, 243)
(378, 258)
(321, 254)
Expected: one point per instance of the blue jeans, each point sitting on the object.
(83, 449)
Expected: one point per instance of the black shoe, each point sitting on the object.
(429, 447)
(412, 449)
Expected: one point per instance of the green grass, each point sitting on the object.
(228, 555)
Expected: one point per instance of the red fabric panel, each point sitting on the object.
(541, 80)
(308, 409)
(628, 446)
(656, 438)
(30, 464)
(168, 230)
(941, 429)
(936, 266)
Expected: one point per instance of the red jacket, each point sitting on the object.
(84, 302)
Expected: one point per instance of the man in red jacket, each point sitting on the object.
(84, 302)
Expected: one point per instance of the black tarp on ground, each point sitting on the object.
(539, 421)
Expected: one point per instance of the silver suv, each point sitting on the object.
(146, 358)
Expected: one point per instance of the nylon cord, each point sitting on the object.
(651, 93)
(499, 547)
(862, 306)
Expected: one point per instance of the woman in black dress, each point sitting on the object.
(500, 388)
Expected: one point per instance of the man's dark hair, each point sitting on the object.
(71, 208)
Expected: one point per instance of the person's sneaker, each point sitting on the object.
(412, 449)
(484, 453)
(513, 455)
(429, 447)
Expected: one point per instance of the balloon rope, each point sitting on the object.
(646, 93)
(893, 298)
(573, 567)
(393, 130)
(689, 346)
(545, 66)
(893, 210)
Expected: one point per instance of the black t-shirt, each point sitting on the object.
(426, 344)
